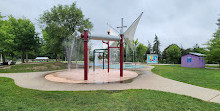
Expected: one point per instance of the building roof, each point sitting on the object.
(197, 54)
(41, 58)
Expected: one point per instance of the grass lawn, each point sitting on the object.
(212, 66)
(209, 78)
(13, 97)
(33, 67)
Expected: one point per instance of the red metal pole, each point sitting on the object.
(85, 54)
(108, 51)
(108, 56)
(121, 56)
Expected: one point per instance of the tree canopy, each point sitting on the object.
(173, 54)
(140, 51)
(17, 36)
(198, 49)
(24, 32)
(6, 37)
(156, 45)
(59, 25)
(214, 48)
(149, 48)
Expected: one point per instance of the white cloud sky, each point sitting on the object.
(184, 22)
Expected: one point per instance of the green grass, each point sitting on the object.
(13, 97)
(209, 78)
(212, 66)
(34, 67)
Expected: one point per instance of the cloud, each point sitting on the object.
(184, 22)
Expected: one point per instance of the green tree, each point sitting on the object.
(198, 49)
(60, 24)
(54, 38)
(156, 46)
(173, 54)
(140, 51)
(185, 51)
(214, 48)
(128, 55)
(136, 43)
(37, 50)
(149, 48)
(6, 38)
(138, 54)
(164, 54)
(24, 32)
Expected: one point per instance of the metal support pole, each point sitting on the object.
(94, 60)
(127, 52)
(108, 50)
(103, 60)
(85, 54)
(108, 56)
(133, 55)
(121, 56)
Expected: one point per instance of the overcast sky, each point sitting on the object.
(183, 22)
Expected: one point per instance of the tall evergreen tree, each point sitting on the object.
(156, 46)
(149, 48)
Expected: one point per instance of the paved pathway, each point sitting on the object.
(148, 80)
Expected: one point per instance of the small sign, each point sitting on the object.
(152, 58)
(189, 59)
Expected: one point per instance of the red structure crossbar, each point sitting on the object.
(114, 47)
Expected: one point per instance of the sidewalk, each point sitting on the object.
(148, 80)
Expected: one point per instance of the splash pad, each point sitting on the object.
(100, 75)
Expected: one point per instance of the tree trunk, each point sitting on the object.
(3, 57)
(26, 56)
(58, 55)
(22, 57)
(62, 58)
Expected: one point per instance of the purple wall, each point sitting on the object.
(193, 61)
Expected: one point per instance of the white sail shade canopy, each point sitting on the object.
(130, 32)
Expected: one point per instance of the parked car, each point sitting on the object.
(5, 63)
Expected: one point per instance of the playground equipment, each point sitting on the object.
(94, 52)
(86, 37)
(129, 37)
(100, 76)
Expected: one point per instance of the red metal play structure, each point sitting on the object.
(129, 35)
(86, 37)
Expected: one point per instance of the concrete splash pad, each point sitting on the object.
(99, 76)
